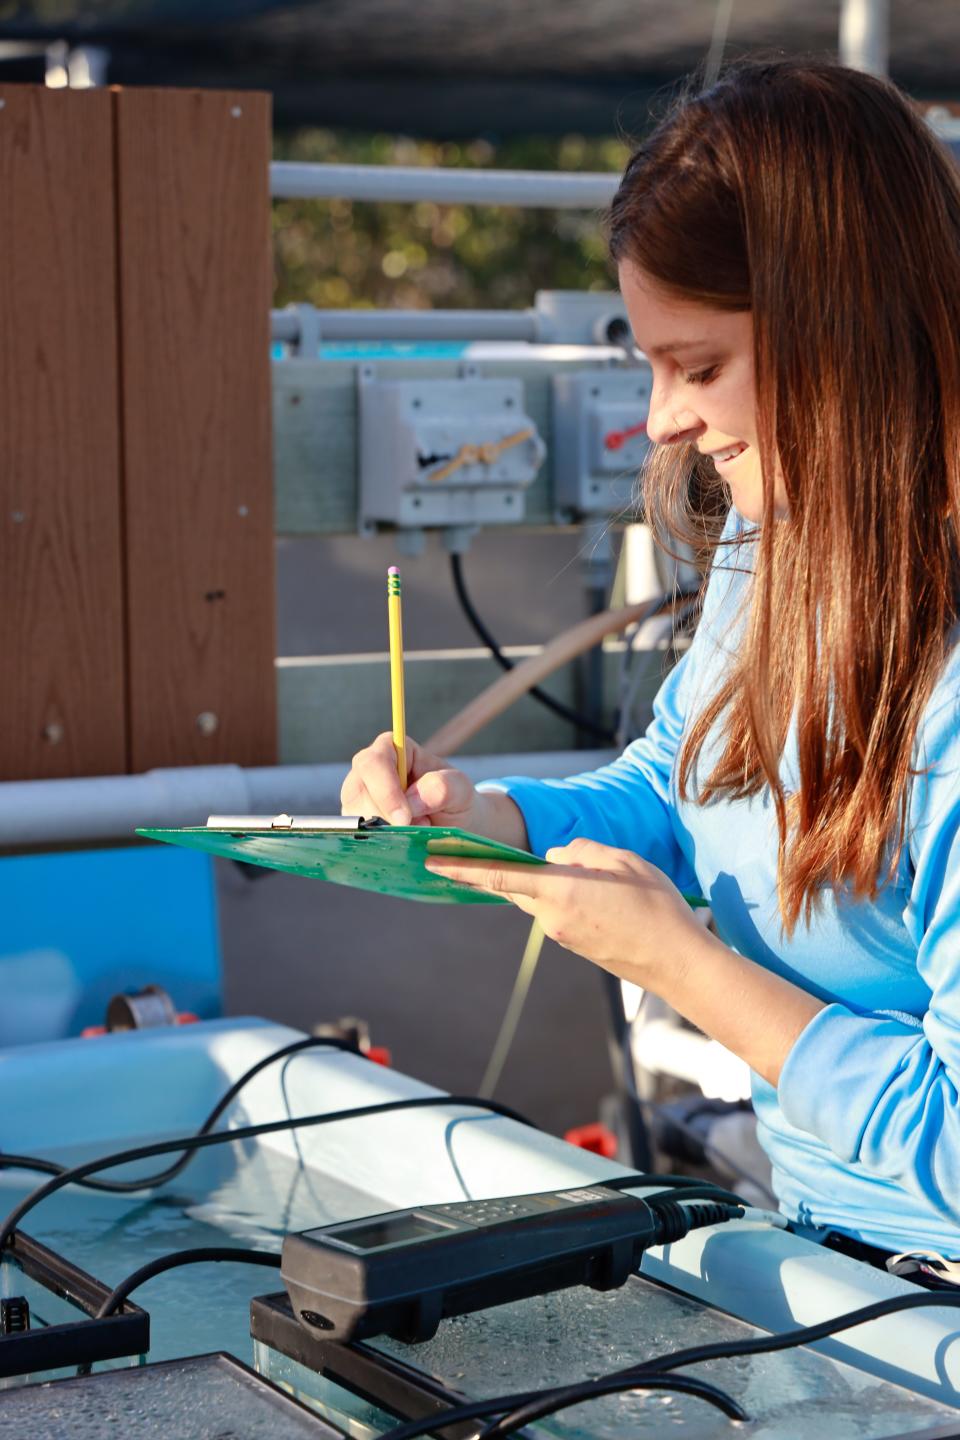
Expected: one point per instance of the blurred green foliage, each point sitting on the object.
(341, 253)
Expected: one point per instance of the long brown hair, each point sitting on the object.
(816, 198)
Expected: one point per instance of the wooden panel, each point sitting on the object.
(61, 611)
(195, 283)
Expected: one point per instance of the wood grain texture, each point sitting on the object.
(61, 609)
(195, 284)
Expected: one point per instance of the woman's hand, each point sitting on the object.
(622, 913)
(605, 904)
(437, 794)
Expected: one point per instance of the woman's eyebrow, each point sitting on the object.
(671, 345)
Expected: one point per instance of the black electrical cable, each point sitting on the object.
(692, 1188)
(190, 1143)
(661, 1364)
(723, 1350)
(680, 1187)
(573, 1395)
(806, 1335)
(675, 1221)
(207, 1254)
(582, 722)
(242, 1132)
(480, 1409)
(10, 1161)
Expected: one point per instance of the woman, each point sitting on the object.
(788, 246)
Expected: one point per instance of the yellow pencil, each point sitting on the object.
(396, 672)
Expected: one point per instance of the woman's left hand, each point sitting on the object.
(605, 904)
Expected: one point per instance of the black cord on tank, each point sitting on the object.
(548, 1405)
(573, 1395)
(190, 1143)
(242, 1132)
(208, 1254)
(692, 1189)
(696, 1354)
(125, 1187)
(806, 1335)
(513, 1409)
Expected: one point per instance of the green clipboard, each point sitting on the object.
(388, 859)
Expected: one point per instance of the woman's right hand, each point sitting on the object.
(436, 794)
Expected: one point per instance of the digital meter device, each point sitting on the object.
(401, 1273)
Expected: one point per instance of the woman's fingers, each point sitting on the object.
(510, 881)
(441, 792)
(373, 783)
(373, 787)
(592, 855)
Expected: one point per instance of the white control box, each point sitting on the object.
(599, 438)
(443, 453)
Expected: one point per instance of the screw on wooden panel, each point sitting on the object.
(2, 104)
(53, 733)
(17, 516)
(243, 511)
(236, 112)
(207, 723)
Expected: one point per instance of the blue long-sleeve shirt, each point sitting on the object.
(863, 1131)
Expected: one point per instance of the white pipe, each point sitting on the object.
(111, 807)
(865, 35)
(530, 189)
(424, 325)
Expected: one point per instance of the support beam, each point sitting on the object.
(531, 189)
(865, 35)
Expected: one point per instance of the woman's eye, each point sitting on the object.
(702, 377)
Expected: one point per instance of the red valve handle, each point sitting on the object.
(616, 439)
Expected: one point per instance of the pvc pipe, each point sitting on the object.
(384, 325)
(530, 189)
(503, 692)
(865, 35)
(38, 813)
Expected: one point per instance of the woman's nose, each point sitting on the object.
(666, 426)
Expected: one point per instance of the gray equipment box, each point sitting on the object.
(599, 438)
(440, 453)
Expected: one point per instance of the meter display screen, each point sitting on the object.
(391, 1230)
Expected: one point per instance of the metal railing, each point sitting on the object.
(292, 326)
(531, 189)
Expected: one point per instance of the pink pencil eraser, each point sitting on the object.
(393, 570)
